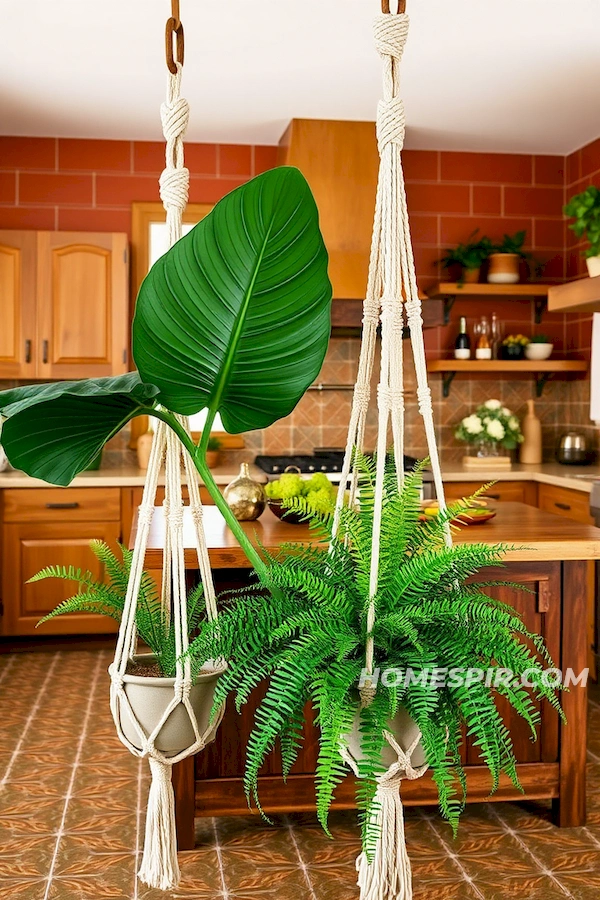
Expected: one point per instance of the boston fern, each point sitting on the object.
(305, 633)
(108, 599)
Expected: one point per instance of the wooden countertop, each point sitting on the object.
(536, 535)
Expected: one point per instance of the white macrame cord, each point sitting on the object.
(159, 867)
(392, 298)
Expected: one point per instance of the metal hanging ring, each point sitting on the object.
(173, 38)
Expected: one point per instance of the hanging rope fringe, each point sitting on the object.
(388, 875)
(159, 867)
(392, 298)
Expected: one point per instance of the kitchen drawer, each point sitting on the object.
(564, 502)
(62, 505)
(515, 491)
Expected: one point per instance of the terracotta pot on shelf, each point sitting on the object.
(471, 276)
(504, 268)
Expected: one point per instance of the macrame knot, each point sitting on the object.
(175, 517)
(391, 32)
(391, 123)
(424, 399)
(367, 694)
(175, 117)
(362, 395)
(384, 397)
(174, 187)
(145, 515)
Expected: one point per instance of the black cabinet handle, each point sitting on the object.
(62, 505)
(44, 352)
(562, 505)
(27, 351)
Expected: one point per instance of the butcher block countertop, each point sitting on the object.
(531, 533)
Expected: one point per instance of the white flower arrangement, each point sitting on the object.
(491, 422)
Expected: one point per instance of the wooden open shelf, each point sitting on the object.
(448, 291)
(543, 369)
(582, 295)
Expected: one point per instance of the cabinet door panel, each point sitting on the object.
(513, 491)
(27, 548)
(539, 608)
(82, 304)
(17, 304)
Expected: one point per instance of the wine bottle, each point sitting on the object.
(462, 345)
(483, 350)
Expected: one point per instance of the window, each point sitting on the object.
(149, 242)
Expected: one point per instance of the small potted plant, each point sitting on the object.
(505, 259)
(213, 452)
(539, 347)
(490, 430)
(468, 258)
(513, 346)
(150, 677)
(585, 209)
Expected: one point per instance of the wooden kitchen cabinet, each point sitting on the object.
(52, 526)
(17, 303)
(65, 297)
(565, 502)
(576, 505)
(513, 491)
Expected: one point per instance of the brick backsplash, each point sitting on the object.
(72, 184)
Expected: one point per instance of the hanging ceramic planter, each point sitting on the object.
(149, 696)
(404, 730)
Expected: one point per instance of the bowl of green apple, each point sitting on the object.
(282, 494)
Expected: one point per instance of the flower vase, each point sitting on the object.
(488, 456)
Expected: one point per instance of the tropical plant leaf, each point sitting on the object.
(54, 431)
(236, 315)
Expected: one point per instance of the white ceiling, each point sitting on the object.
(520, 75)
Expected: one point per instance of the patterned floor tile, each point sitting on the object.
(502, 851)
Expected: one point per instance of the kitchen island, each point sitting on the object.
(547, 554)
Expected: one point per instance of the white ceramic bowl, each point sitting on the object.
(538, 351)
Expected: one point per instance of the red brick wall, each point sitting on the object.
(582, 169)
(451, 194)
(72, 184)
(68, 184)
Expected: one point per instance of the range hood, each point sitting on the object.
(341, 164)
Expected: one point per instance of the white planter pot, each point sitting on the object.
(593, 266)
(405, 730)
(3, 460)
(538, 351)
(149, 698)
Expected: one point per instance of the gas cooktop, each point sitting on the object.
(328, 461)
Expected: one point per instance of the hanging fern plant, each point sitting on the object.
(107, 598)
(307, 637)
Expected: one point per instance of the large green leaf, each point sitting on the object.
(53, 431)
(236, 316)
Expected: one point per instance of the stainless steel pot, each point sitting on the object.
(572, 449)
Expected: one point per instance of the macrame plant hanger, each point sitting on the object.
(159, 867)
(392, 298)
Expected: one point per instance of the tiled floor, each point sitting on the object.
(72, 813)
